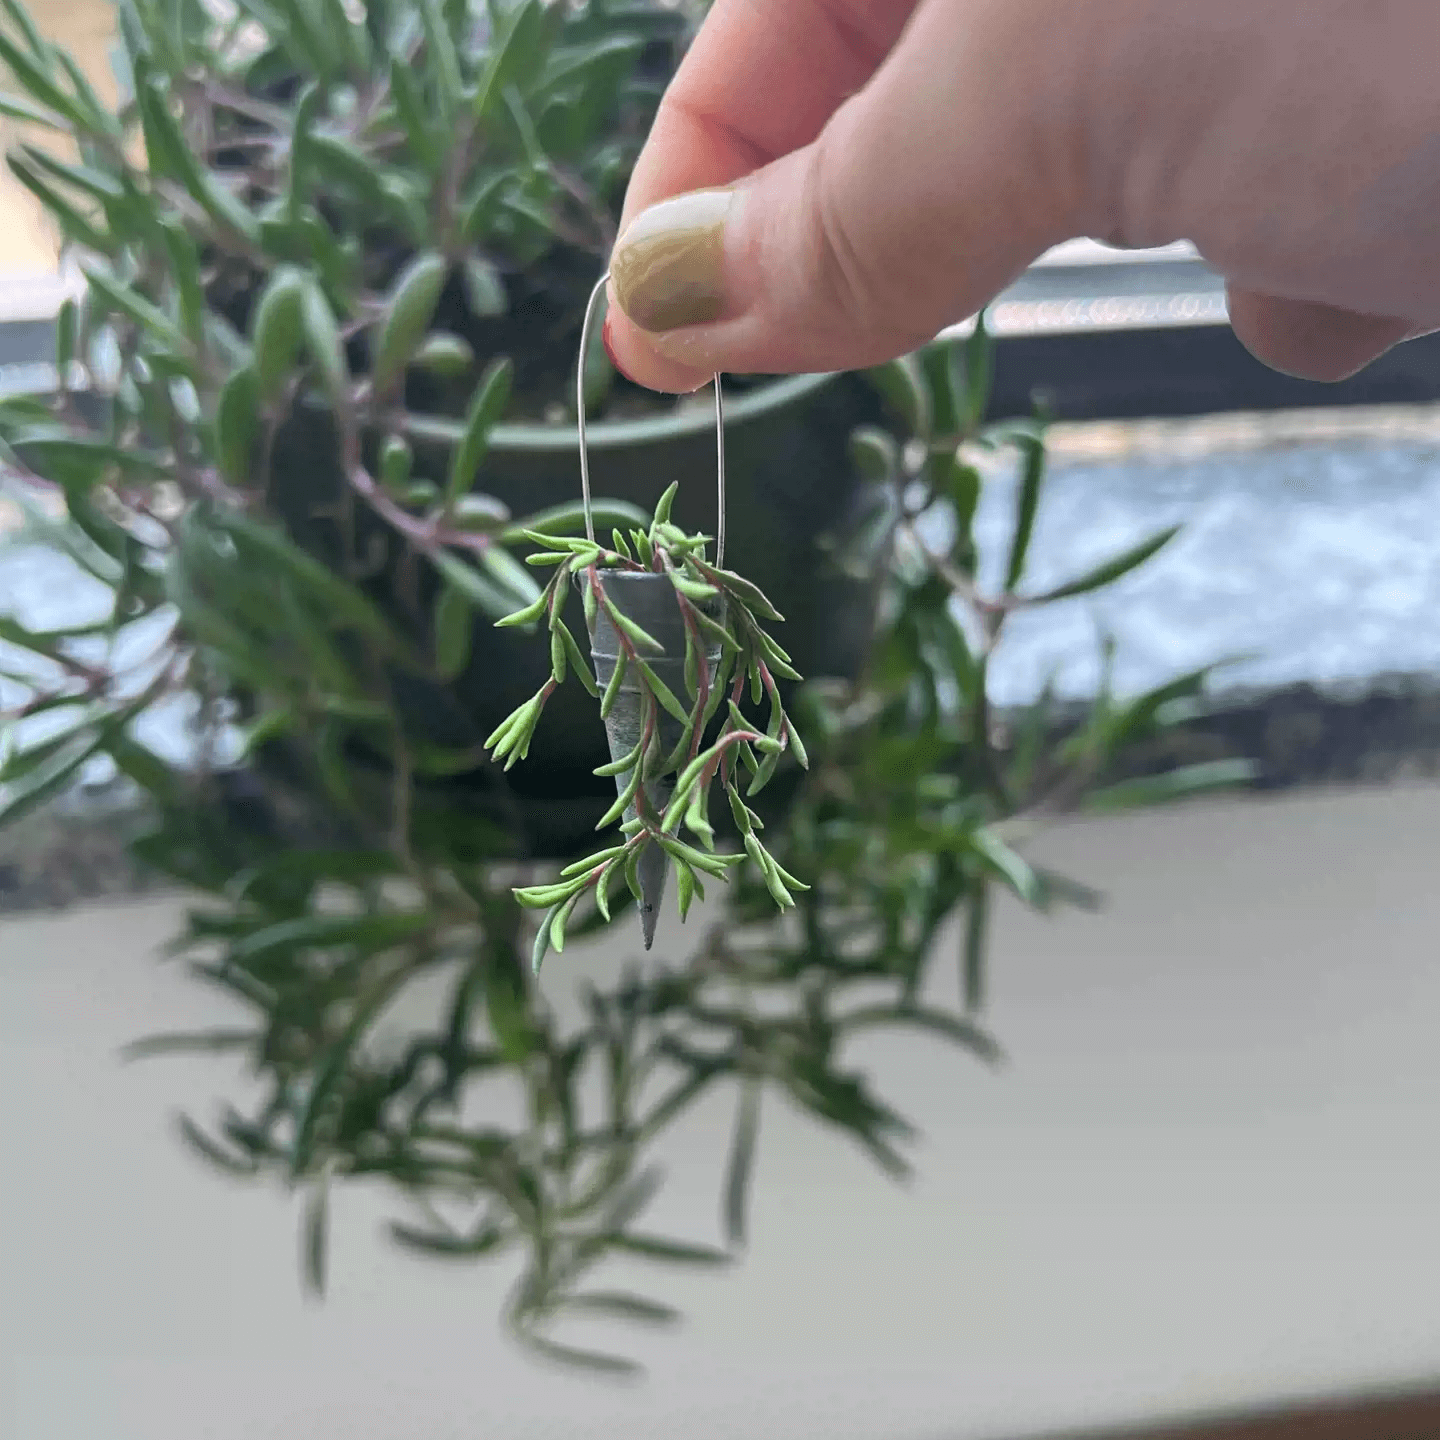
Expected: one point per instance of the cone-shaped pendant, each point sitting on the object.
(650, 601)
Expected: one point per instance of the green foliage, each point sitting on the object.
(748, 656)
(321, 211)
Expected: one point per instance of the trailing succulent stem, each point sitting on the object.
(727, 653)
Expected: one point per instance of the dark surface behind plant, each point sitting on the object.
(320, 904)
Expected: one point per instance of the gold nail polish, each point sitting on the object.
(668, 266)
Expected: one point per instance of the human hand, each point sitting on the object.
(898, 164)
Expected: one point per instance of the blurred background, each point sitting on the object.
(1206, 1179)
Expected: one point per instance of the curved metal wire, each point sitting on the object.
(595, 295)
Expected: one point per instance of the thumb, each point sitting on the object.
(924, 195)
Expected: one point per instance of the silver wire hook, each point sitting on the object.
(595, 295)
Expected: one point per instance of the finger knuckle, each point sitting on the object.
(847, 279)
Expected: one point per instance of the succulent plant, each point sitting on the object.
(705, 635)
(380, 223)
(321, 229)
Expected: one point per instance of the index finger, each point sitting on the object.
(761, 79)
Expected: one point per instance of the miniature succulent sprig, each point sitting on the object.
(727, 652)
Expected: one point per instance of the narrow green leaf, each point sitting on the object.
(332, 1066)
(506, 571)
(684, 889)
(484, 289)
(344, 601)
(373, 934)
(486, 409)
(557, 657)
(200, 1042)
(959, 1030)
(632, 632)
(632, 870)
(35, 42)
(578, 662)
(448, 356)
(663, 693)
(693, 590)
(547, 897)
(275, 331)
(1111, 570)
(622, 804)
(441, 1244)
(516, 57)
(670, 1252)
(479, 589)
(697, 820)
(515, 719)
(165, 149)
(558, 922)
(409, 309)
(975, 954)
(617, 1305)
(299, 26)
(207, 1149)
(1173, 785)
(343, 162)
(308, 108)
(875, 455)
(593, 862)
(97, 185)
(227, 211)
(414, 114)
(577, 1359)
(12, 107)
(237, 425)
(773, 883)
(316, 1235)
(797, 747)
(740, 1166)
(529, 615)
(443, 59)
(1027, 502)
(602, 890)
(541, 947)
(97, 113)
(135, 307)
(454, 625)
(612, 688)
(1140, 717)
(481, 512)
(741, 589)
(979, 356)
(903, 385)
(1008, 865)
(36, 78)
(47, 781)
(327, 349)
(667, 500)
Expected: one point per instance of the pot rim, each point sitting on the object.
(617, 434)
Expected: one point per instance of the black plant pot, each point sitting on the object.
(790, 485)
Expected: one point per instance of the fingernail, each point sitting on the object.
(668, 265)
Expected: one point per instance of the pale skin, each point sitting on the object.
(901, 163)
